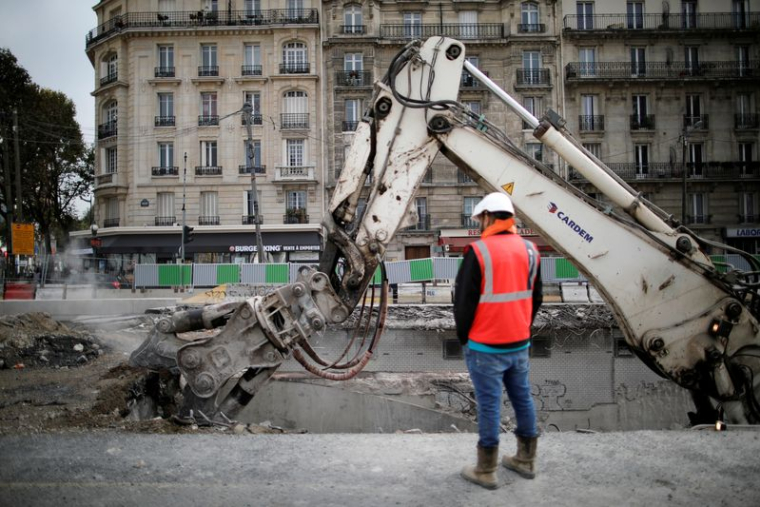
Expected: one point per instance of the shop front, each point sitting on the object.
(454, 241)
(743, 238)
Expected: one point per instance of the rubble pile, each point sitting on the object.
(37, 340)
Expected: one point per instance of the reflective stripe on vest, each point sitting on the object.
(505, 306)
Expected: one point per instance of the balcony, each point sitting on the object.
(698, 122)
(166, 221)
(250, 70)
(468, 81)
(286, 174)
(111, 222)
(591, 123)
(673, 23)
(532, 77)
(675, 71)
(295, 216)
(147, 21)
(294, 121)
(353, 29)
(208, 170)
(107, 129)
(208, 220)
(104, 179)
(748, 219)
(256, 119)
(164, 121)
(110, 78)
(208, 71)
(294, 68)
(350, 126)
(164, 171)
(251, 220)
(531, 28)
(163, 72)
(698, 219)
(642, 122)
(746, 121)
(468, 222)
(423, 224)
(482, 31)
(353, 78)
(208, 120)
(632, 171)
(259, 169)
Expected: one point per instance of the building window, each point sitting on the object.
(252, 7)
(252, 60)
(353, 114)
(208, 104)
(535, 150)
(211, 5)
(352, 19)
(111, 112)
(689, 11)
(295, 58)
(748, 207)
(639, 118)
(248, 196)
(531, 66)
(590, 119)
(112, 211)
(111, 159)
(691, 60)
(423, 219)
(165, 61)
(698, 207)
(166, 155)
(585, 11)
(594, 148)
(412, 25)
(474, 106)
(533, 106)
(209, 65)
(209, 209)
(587, 60)
(638, 62)
(254, 99)
(742, 60)
(741, 13)
(468, 24)
(641, 152)
(256, 162)
(166, 108)
(208, 154)
(529, 17)
(294, 152)
(693, 117)
(166, 6)
(295, 9)
(696, 160)
(469, 205)
(635, 12)
(112, 67)
(297, 200)
(295, 110)
(745, 158)
(165, 206)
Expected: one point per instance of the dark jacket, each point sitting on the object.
(467, 294)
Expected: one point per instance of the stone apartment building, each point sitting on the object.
(644, 85)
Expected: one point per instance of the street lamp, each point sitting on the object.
(684, 138)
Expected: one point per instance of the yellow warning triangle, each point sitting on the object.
(509, 187)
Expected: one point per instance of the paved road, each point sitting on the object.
(634, 469)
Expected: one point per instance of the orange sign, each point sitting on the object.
(22, 236)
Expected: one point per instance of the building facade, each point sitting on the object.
(171, 77)
(663, 92)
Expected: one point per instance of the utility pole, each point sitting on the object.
(20, 213)
(248, 115)
(184, 216)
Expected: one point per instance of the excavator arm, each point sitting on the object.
(683, 317)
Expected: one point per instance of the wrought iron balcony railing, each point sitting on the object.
(746, 121)
(423, 223)
(208, 220)
(294, 68)
(108, 79)
(468, 81)
(482, 31)
(208, 71)
(208, 120)
(642, 122)
(294, 120)
(107, 129)
(468, 222)
(675, 171)
(111, 222)
(698, 122)
(350, 126)
(674, 22)
(662, 70)
(295, 216)
(256, 119)
(294, 173)
(591, 123)
(251, 70)
(164, 221)
(531, 28)
(533, 77)
(353, 29)
(136, 21)
(208, 170)
(164, 171)
(259, 169)
(353, 78)
(163, 72)
(251, 220)
(164, 121)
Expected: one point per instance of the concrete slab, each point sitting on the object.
(594, 296)
(674, 468)
(66, 309)
(574, 293)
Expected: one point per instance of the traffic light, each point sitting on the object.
(187, 234)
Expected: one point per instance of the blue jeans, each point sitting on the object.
(488, 372)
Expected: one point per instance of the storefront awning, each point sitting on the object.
(457, 244)
(209, 242)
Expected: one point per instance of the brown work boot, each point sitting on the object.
(524, 462)
(484, 473)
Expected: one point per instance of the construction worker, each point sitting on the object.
(498, 292)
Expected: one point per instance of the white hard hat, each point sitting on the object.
(492, 203)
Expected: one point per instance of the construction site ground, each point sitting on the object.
(70, 435)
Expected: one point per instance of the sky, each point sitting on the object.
(47, 37)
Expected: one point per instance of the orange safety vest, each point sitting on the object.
(508, 265)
